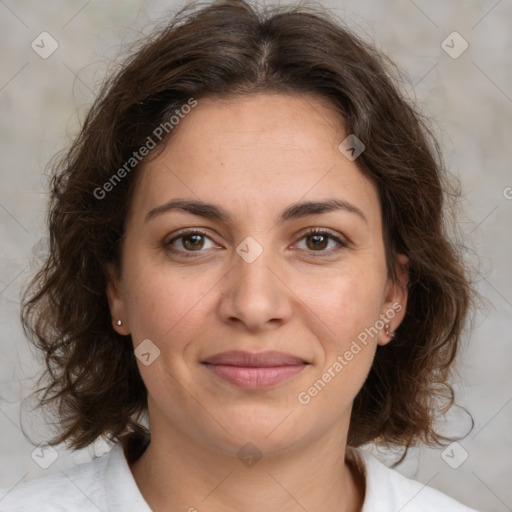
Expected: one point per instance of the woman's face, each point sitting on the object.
(211, 287)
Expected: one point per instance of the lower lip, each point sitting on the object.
(249, 377)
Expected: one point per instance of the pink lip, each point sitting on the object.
(254, 370)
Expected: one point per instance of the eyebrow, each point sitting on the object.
(294, 211)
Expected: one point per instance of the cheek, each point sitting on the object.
(343, 314)
(167, 303)
(345, 305)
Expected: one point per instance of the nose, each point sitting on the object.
(254, 296)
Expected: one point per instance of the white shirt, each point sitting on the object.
(106, 484)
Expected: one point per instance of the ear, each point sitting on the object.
(116, 300)
(395, 301)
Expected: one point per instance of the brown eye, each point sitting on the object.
(193, 242)
(317, 242)
(190, 242)
(321, 241)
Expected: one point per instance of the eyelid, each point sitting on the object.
(321, 231)
(187, 231)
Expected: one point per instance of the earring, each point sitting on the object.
(388, 333)
(118, 323)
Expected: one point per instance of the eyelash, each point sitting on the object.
(311, 232)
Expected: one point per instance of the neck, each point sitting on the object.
(177, 473)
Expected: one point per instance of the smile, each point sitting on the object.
(254, 371)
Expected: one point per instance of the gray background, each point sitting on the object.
(470, 100)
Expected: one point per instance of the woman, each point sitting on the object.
(247, 246)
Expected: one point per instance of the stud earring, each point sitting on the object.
(388, 332)
(118, 323)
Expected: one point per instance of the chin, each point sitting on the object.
(270, 433)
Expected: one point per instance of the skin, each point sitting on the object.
(253, 156)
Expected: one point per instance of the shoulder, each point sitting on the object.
(105, 483)
(387, 489)
(80, 488)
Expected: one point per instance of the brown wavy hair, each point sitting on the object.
(224, 48)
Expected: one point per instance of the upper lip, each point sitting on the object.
(262, 359)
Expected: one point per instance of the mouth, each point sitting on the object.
(254, 370)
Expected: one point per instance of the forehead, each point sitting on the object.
(257, 151)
